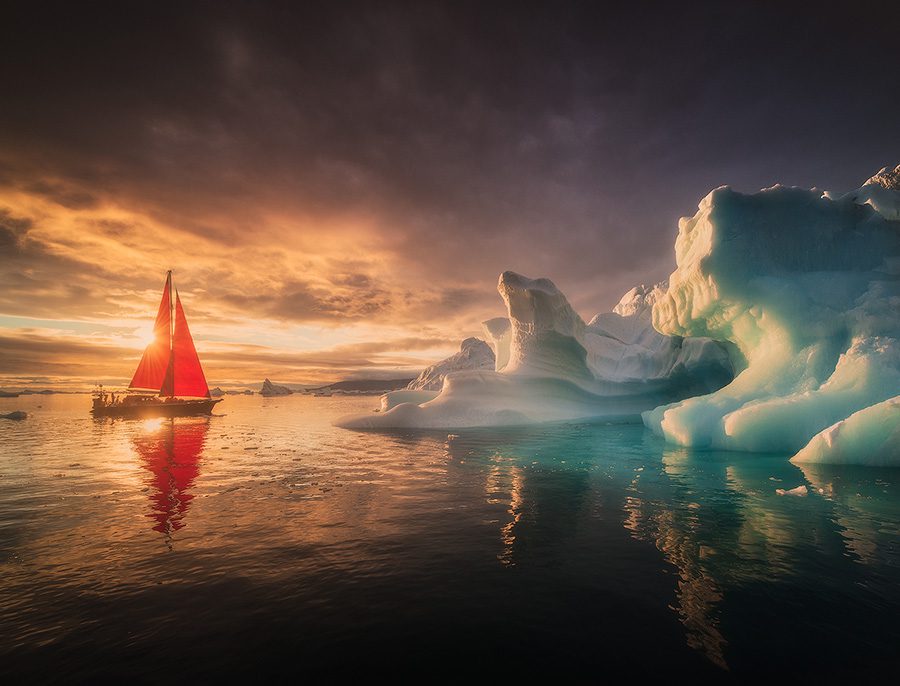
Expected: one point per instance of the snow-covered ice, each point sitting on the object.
(808, 290)
(473, 354)
(779, 331)
(559, 368)
(870, 437)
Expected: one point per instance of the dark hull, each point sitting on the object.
(177, 408)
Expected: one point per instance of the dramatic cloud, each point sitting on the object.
(327, 174)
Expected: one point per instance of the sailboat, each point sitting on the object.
(168, 381)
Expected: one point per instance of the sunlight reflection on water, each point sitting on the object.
(585, 541)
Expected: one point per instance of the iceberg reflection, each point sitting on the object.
(722, 530)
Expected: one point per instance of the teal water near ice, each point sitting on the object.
(266, 543)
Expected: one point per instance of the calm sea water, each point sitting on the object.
(265, 543)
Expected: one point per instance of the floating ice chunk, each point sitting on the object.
(868, 437)
(800, 491)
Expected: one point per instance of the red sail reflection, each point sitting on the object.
(172, 454)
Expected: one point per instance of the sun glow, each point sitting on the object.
(145, 335)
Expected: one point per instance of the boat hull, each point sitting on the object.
(175, 408)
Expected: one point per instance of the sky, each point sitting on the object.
(337, 186)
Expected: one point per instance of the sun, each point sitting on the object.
(145, 335)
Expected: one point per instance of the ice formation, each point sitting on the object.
(880, 192)
(795, 291)
(808, 289)
(868, 437)
(270, 389)
(473, 354)
(393, 398)
(553, 366)
(499, 333)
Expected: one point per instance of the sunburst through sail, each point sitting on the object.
(169, 368)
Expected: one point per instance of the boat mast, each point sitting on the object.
(171, 332)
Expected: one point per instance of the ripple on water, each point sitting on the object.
(572, 542)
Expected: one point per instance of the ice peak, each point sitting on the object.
(640, 299)
(886, 178)
(881, 193)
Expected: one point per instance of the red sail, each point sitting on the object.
(151, 371)
(186, 378)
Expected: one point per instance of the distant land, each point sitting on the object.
(364, 386)
(4, 393)
(352, 386)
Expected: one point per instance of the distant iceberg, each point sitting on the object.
(553, 366)
(270, 389)
(807, 287)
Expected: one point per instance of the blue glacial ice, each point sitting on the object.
(807, 287)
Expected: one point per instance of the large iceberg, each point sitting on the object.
(807, 288)
(553, 366)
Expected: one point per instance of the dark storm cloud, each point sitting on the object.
(556, 139)
(35, 281)
(302, 302)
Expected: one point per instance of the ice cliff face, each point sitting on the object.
(553, 366)
(808, 290)
(498, 333)
(473, 354)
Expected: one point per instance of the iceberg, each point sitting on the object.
(551, 366)
(807, 288)
(270, 389)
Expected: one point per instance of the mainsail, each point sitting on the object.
(151, 371)
(170, 365)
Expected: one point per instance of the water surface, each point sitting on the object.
(264, 542)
